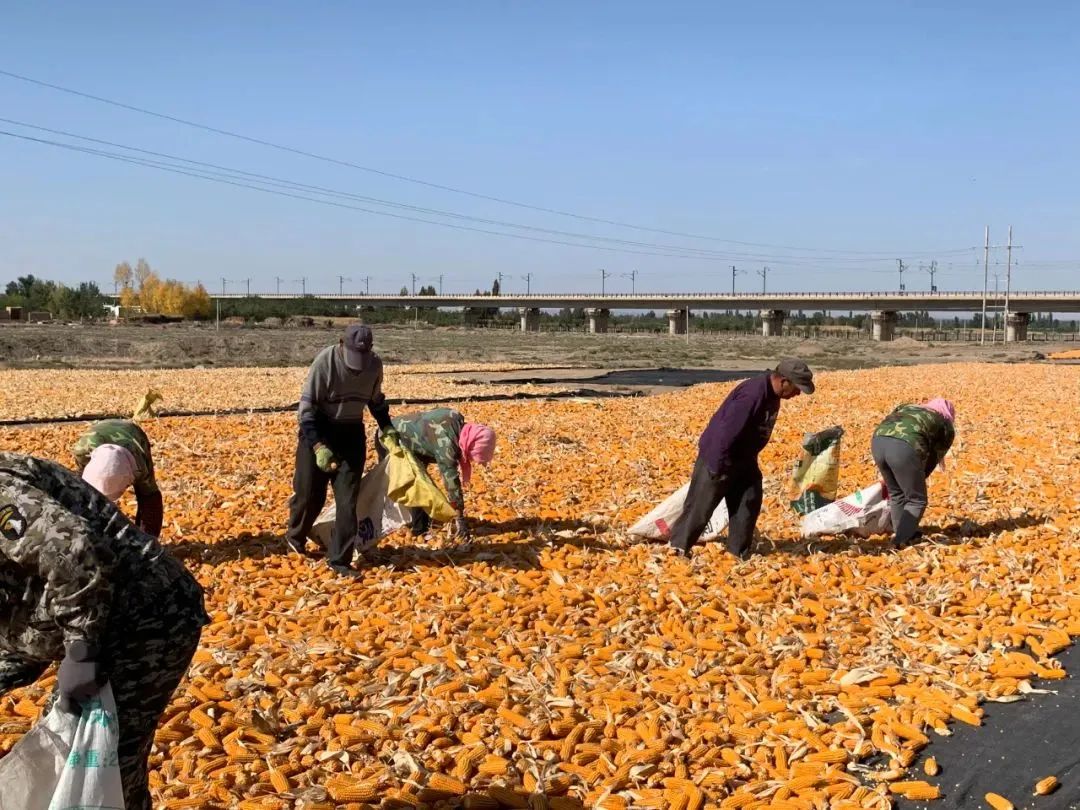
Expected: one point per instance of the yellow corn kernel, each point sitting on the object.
(1044, 787)
(208, 738)
(931, 767)
(185, 803)
(998, 802)
(211, 765)
(493, 766)
(802, 782)
(737, 801)
(915, 790)
(372, 727)
(279, 781)
(444, 783)
(965, 715)
(345, 788)
(832, 756)
(513, 717)
(445, 690)
(508, 798)
(201, 718)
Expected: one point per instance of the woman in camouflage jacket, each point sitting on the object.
(907, 446)
(442, 437)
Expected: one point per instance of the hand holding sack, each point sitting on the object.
(67, 760)
(79, 678)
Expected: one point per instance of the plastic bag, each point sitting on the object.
(815, 477)
(863, 513)
(657, 524)
(410, 485)
(66, 762)
(376, 514)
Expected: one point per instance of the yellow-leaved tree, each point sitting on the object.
(145, 289)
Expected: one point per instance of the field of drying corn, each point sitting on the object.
(554, 663)
(44, 394)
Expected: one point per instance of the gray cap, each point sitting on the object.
(796, 372)
(357, 346)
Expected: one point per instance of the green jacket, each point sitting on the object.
(930, 433)
(432, 436)
(131, 437)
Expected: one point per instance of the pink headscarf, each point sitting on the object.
(477, 443)
(110, 471)
(943, 407)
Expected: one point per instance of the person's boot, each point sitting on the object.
(906, 531)
(679, 551)
(343, 570)
(420, 523)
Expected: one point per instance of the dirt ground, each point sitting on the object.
(191, 345)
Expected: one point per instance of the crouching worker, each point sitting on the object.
(81, 585)
(727, 463)
(442, 437)
(114, 455)
(907, 446)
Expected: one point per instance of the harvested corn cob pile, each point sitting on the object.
(552, 663)
(45, 394)
(1072, 354)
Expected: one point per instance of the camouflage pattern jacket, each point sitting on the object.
(128, 435)
(930, 433)
(73, 568)
(432, 436)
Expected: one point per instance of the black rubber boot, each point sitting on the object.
(907, 531)
(420, 523)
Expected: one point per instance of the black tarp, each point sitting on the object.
(1017, 745)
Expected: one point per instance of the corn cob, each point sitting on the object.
(1044, 787)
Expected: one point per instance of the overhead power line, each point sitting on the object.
(251, 185)
(301, 191)
(308, 188)
(417, 181)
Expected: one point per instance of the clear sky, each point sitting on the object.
(854, 132)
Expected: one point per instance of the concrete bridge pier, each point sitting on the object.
(1016, 327)
(676, 321)
(530, 319)
(772, 322)
(883, 324)
(598, 320)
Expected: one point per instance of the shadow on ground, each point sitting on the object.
(398, 552)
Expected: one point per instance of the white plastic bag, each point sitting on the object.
(657, 524)
(66, 762)
(862, 513)
(376, 514)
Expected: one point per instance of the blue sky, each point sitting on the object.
(855, 133)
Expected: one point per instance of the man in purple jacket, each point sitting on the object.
(727, 467)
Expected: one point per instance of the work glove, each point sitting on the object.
(459, 529)
(79, 678)
(325, 459)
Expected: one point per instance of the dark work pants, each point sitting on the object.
(309, 497)
(740, 489)
(153, 633)
(905, 479)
